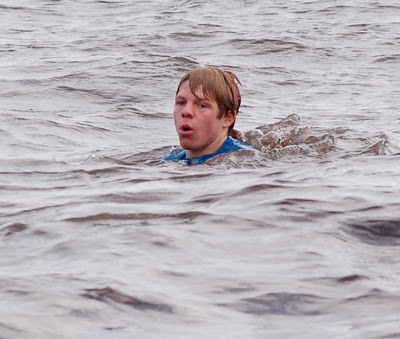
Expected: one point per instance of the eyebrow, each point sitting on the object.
(181, 97)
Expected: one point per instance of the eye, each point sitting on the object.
(180, 102)
(202, 105)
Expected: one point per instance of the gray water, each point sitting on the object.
(102, 239)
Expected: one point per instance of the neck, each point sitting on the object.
(212, 148)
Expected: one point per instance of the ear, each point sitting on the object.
(229, 118)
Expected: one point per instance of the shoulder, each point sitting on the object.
(176, 155)
(232, 144)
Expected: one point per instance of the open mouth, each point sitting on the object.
(185, 129)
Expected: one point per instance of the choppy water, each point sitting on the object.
(101, 239)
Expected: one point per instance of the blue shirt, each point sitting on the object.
(230, 145)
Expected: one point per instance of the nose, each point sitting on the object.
(187, 111)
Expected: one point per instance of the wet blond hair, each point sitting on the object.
(218, 85)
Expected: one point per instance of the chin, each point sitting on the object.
(187, 145)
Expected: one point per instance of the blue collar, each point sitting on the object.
(230, 145)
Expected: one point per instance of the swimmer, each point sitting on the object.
(206, 105)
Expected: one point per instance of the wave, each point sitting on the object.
(281, 304)
(289, 137)
(108, 294)
(376, 232)
(137, 216)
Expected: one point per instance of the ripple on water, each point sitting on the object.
(376, 232)
(282, 304)
(13, 229)
(137, 216)
(108, 295)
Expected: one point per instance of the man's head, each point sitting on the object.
(218, 85)
(206, 105)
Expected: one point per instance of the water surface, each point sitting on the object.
(102, 239)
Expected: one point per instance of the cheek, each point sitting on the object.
(213, 122)
(176, 115)
(176, 120)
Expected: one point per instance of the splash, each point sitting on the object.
(289, 137)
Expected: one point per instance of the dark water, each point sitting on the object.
(101, 239)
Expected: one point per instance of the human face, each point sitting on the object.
(196, 120)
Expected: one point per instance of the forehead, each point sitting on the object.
(188, 88)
